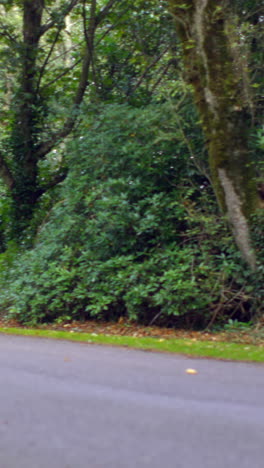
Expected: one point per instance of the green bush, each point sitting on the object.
(135, 233)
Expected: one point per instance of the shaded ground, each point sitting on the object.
(239, 333)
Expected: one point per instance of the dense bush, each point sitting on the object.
(135, 232)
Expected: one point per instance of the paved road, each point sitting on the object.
(71, 405)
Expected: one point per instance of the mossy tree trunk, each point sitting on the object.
(219, 79)
(28, 145)
(19, 169)
(27, 117)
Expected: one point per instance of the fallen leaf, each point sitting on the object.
(191, 371)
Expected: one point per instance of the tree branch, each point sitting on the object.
(6, 174)
(110, 28)
(151, 65)
(61, 74)
(46, 61)
(65, 52)
(102, 14)
(162, 74)
(64, 13)
(9, 36)
(57, 179)
(45, 147)
(94, 21)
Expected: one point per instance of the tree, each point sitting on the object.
(55, 54)
(136, 60)
(30, 140)
(216, 66)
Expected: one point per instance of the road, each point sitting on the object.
(74, 405)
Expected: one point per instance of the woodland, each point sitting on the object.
(131, 161)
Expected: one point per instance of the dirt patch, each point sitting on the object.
(253, 335)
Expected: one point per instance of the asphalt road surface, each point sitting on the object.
(73, 405)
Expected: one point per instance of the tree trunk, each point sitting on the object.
(214, 69)
(26, 124)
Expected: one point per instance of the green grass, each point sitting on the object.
(217, 350)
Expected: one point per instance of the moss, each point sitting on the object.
(212, 69)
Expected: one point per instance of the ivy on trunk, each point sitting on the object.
(19, 166)
(213, 67)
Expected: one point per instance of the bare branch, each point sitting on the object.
(46, 61)
(65, 52)
(110, 28)
(64, 13)
(9, 36)
(62, 74)
(103, 13)
(161, 75)
(45, 147)
(151, 65)
(106, 32)
(57, 179)
(94, 21)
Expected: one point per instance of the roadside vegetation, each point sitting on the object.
(228, 345)
(110, 205)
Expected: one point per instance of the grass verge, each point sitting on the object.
(217, 350)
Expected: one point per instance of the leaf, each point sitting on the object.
(191, 371)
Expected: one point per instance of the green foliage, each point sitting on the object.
(134, 229)
(48, 69)
(135, 232)
(236, 326)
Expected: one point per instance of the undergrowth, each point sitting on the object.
(134, 232)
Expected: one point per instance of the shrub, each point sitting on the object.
(135, 233)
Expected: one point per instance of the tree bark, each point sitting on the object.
(26, 122)
(27, 146)
(213, 68)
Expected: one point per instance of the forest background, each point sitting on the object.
(131, 168)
